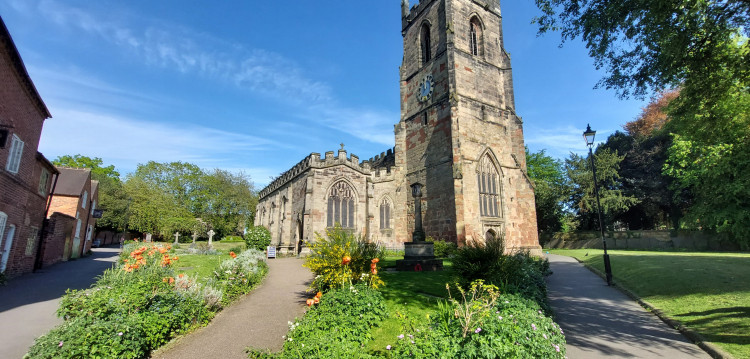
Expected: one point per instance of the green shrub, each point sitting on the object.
(258, 237)
(482, 324)
(228, 239)
(519, 273)
(443, 249)
(337, 327)
(326, 260)
(237, 276)
(139, 305)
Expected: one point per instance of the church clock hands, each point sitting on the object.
(425, 89)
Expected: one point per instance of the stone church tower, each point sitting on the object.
(458, 136)
(459, 132)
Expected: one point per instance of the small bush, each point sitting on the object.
(519, 273)
(258, 237)
(228, 239)
(443, 249)
(482, 324)
(326, 260)
(239, 275)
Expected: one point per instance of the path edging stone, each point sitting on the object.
(712, 349)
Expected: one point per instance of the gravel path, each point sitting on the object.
(257, 320)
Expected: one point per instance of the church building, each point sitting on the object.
(458, 137)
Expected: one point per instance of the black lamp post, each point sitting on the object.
(588, 135)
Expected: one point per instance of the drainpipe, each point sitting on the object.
(88, 217)
(40, 245)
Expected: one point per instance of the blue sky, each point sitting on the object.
(255, 86)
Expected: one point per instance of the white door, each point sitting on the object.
(8, 245)
(77, 242)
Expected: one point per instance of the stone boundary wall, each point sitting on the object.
(688, 240)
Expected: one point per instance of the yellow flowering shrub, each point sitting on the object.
(341, 259)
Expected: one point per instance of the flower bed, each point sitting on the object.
(141, 304)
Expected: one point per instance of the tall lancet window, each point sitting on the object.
(425, 43)
(385, 214)
(475, 36)
(341, 205)
(488, 179)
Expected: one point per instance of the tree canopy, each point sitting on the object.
(647, 46)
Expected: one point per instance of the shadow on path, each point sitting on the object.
(600, 321)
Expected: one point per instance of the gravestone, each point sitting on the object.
(177, 237)
(195, 237)
(211, 237)
(148, 237)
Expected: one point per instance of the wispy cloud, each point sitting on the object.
(128, 142)
(561, 141)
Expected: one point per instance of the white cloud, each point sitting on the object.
(263, 73)
(561, 141)
(127, 142)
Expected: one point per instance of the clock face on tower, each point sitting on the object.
(424, 93)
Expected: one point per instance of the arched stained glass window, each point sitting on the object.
(385, 214)
(489, 190)
(341, 205)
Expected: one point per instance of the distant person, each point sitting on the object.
(122, 241)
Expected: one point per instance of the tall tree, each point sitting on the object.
(112, 197)
(550, 190)
(230, 208)
(648, 46)
(583, 199)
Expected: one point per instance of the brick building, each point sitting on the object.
(25, 175)
(458, 136)
(71, 213)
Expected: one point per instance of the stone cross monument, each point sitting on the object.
(211, 237)
(176, 237)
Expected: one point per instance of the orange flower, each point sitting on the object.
(171, 280)
(375, 260)
(181, 275)
(346, 260)
(374, 271)
(310, 302)
(316, 300)
(373, 266)
(320, 294)
(232, 254)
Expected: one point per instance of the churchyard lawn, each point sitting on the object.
(709, 292)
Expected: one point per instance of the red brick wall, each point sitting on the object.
(19, 197)
(58, 230)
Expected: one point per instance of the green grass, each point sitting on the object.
(204, 265)
(709, 292)
(414, 294)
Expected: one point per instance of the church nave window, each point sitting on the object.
(385, 214)
(341, 205)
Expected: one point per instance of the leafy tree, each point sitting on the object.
(653, 117)
(112, 197)
(583, 200)
(652, 45)
(550, 190)
(230, 206)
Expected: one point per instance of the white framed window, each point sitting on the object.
(84, 199)
(78, 229)
(43, 179)
(3, 220)
(93, 207)
(14, 155)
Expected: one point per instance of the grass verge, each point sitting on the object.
(708, 292)
(414, 294)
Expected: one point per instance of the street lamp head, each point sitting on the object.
(416, 189)
(589, 135)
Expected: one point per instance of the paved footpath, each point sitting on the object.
(602, 322)
(28, 303)
(257, 320)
